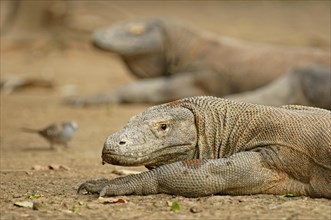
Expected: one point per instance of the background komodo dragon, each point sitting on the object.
(309, 86)
(175, 61)
(204, 145)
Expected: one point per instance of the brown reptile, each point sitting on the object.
(173, 60)
(201, 146)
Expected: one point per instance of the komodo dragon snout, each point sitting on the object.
(153, 139)
(130, 38)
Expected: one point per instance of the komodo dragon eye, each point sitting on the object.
(164, 126)
(161, 129)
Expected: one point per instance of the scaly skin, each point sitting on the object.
(307, 86)
(201, 146)
(168, 55)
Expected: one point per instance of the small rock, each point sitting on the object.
(65, 205)
(234, 201)
(36, 205)
(54, 167)
(195, 209)
(39, 168)
(92, 206)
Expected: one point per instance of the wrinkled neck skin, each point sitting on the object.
(147, 65)
(212, 129)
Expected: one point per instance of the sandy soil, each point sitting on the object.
(78, 66)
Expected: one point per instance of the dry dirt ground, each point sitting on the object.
(76, 65)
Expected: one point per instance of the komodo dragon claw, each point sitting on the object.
(93, 186)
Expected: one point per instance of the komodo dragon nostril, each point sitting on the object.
(122, 142)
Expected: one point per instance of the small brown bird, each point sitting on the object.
(57, 133)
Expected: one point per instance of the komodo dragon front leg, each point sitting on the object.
(151, 90)
(242, 173)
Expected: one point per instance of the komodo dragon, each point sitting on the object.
(175, 61)
(309, 86)
(201, 146)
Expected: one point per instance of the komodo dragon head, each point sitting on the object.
(149, 47)
(139, 43)
(131, 37)
(158, 136)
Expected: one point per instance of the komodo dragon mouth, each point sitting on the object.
(116, 159)
(158, 156)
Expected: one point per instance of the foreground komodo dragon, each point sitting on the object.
(201, 146)
(175, 61)
(309, 86)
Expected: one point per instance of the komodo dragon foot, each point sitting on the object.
(141, 184)
(93, 186)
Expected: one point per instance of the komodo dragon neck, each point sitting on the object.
(184, 49)
(218, 125)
